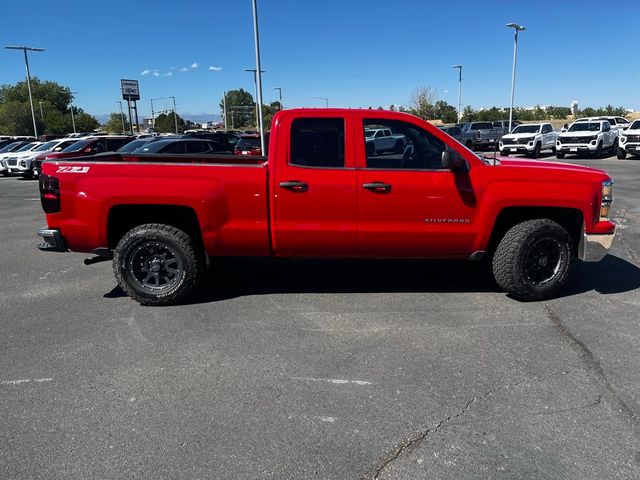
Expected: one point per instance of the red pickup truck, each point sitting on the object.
(320, 193)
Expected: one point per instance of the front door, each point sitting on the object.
(408, 205)
(314, 188)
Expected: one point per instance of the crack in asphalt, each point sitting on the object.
(410, 443)
(595, 372)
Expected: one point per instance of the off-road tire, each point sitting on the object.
(513, 259)
(504, 153)
(184, 252)
(621, 154)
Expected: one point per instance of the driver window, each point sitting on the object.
(406, 146)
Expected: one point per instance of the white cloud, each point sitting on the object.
(214, 69)
(146, 71)
(156, 73)
(184, 69)
(168, 74)
(195, 65)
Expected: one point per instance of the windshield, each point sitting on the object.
(585, 127)
(248, 143)
(481, 126)
(634, 126)
(131, 146)
(10, 147)
(76, 147)
(526, 129)
(26, 147)
(46, 146)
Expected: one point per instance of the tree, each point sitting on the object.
(241, 109)
(422, 100)
(114, 124)
(445, 112)
(165, 123)
(15, 118)
(85, 122)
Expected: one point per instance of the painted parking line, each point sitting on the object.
(339, 381)
(25, 380)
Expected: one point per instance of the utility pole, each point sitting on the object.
(73, 120)
(26, 62)
(175, 115)
(517, 28)
(41, 114)
(224, 110)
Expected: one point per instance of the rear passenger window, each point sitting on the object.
(196, 147)
(177, 147)
(317, 142)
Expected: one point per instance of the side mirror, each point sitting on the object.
(451, 160)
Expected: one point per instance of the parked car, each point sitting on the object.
(529, 139)
(25, 163)
(383, 140)
(225, 141)
(629, 142)
(250, 145)
(137, 143)
(12, 150)
(504, 124)
(454, 131)
(587, 137)
(318, 194)
(182, 146)
(83, 147)
(478, 135)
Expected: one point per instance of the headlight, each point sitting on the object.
(607, 199)
(23, 163)
(623, 139)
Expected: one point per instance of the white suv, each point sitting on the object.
(23, 164)
(587, 137)
(629, 141)
(529, 139)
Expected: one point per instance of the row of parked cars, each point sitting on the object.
(24, 155)
(590, 136)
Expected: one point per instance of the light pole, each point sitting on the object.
(175, 115)
(280, 96)
(258, 75)
(26, 62)
(326, 101)
(119, 102)
(459, 67)
(255, 82)
(73, 120)
(517, 28)
(41, 114)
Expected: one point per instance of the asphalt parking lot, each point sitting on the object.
(327, 370)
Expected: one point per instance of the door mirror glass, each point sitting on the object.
(453, 161)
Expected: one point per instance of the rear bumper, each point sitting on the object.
(53, 241)
(594, 247)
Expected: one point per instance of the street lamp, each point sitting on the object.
(119, 102)
(280, 95)
(73, 120)
(175, 116)
(26, 62)
(258, 75)
(255, 82)
(326, 101)
(517, 28)
(459, 67)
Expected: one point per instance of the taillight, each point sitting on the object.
(49, 193)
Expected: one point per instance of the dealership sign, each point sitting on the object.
(130, 90)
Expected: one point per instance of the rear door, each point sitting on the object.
(314, 190)
(408, 205)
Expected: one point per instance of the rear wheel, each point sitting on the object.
(157, 264)
(533, 259)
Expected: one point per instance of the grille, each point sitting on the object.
(633, 138)
(12, 162)
(574, 140)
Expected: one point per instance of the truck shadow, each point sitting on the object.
(237, 277)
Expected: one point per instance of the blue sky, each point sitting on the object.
(356, 53)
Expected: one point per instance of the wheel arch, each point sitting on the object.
(571, 219)
(122, 218)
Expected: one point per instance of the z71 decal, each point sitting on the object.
(72, 169)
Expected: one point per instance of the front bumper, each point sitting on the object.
(594, 247)
(517, 148)
(631, 148)
(53, 241)
(576, 148)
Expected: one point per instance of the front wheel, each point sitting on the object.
(536, 150)
(621, 154)
(533, 259)
(157, 264)
(559, 155)
(598, 152)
